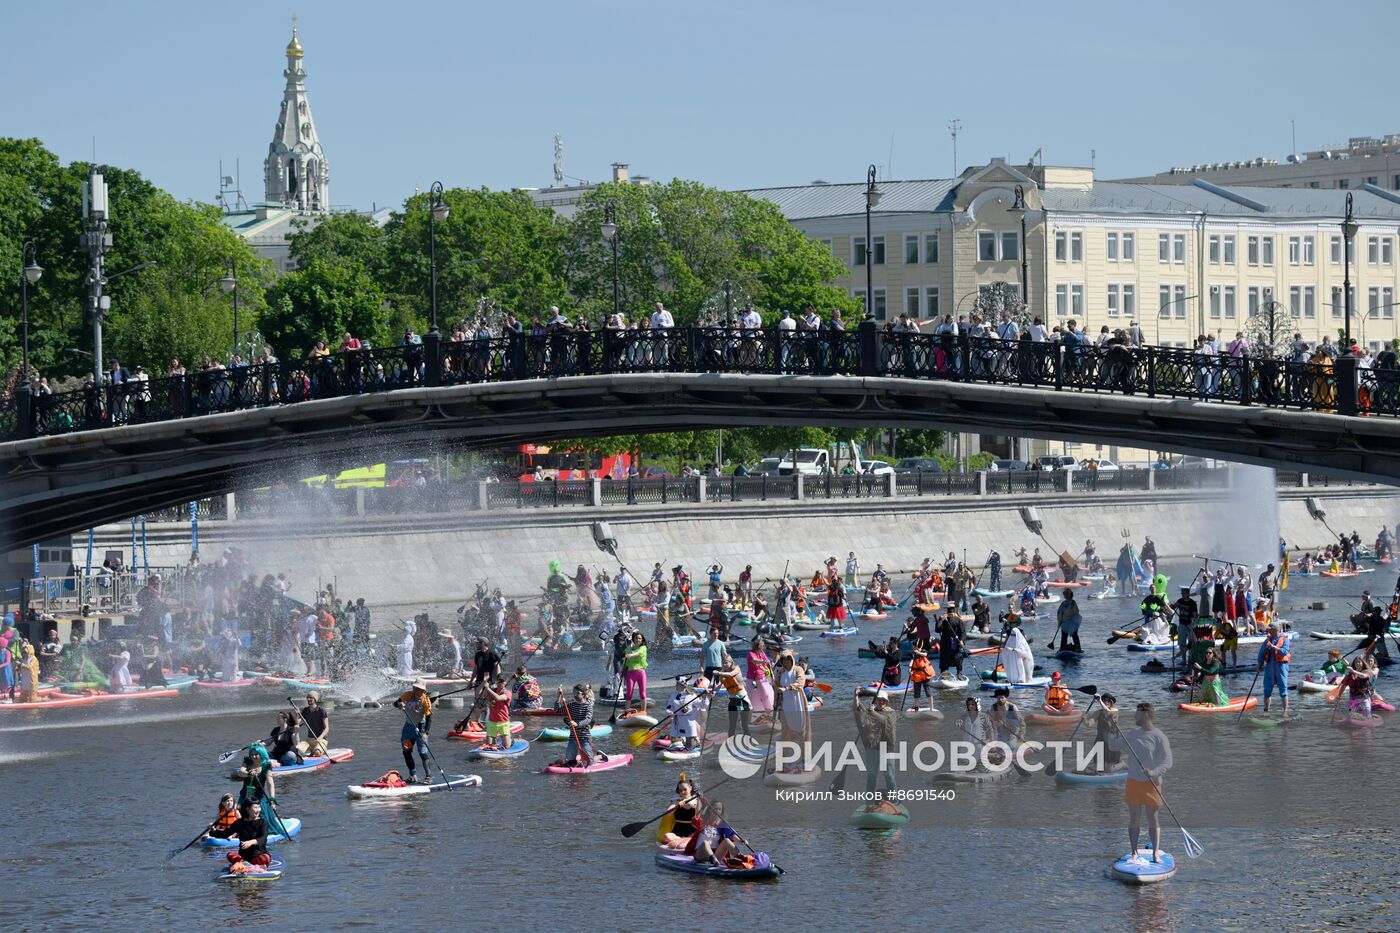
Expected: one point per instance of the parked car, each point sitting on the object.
(1001, 465)
(1105, 465)
(655, 472)
(1191, 463)
(876, 467)
(1060, 462)
(918, 465)
(768, 465)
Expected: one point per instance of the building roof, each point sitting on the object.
(812, 202)
(268, 225)
(809, 202)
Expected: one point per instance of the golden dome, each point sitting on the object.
(294, 47)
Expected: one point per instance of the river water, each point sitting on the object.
(1297, 822)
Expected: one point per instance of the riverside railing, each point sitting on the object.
(1341, 386)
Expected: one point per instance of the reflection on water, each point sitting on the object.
(1296, 823)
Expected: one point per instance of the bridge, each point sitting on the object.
(84, 458)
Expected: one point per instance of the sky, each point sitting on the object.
(732, 94)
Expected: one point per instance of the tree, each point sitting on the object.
(1268, 331)
(681, 242)
(321, 301)
(997, 297)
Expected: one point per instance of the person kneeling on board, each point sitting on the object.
(251, 831)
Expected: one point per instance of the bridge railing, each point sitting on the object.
(1339, 386)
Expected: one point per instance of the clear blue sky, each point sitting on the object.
(734, 94)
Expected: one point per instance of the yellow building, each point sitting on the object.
(1178, 260)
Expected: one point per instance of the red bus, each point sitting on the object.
(574, 464)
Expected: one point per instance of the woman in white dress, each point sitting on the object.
(410, 628)
(791, 686)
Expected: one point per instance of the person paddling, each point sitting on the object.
(418, 707)
(497, 699)
(318, 725)
(222, 827)
(1069, 619)
(1273, 661)
(1149, 760)
(250, 829)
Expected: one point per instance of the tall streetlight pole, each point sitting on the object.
(1019, 207)
(229, 283)
(609, 231)
(1349, 227)
(872, 198)
(437, 211)
(30, 276)
(1157, 329)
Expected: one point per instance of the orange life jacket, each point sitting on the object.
(920, 670)
(226, 819)
(1057, 695)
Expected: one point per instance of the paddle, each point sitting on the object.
(1113, 639)
(1193, 848)
(1091, 691)
(640, 738)
(232, 753)
(175, 852)
(631, 829)
(1051, 646)
(1245, 705)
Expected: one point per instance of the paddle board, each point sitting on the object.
(1143, 870)
(271, 872)
(376, 789)
(1102, 777)
(291, 824)
(872, 818)
(516, 748)
(614, 761)
(1234, 706)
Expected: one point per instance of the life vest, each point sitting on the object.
(1277, 654)
(226, 819)
(921, 670)
(739, 860)
(1057, 695)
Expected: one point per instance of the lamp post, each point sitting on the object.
(1019, 207)
(1157, 328)
(872, 198)
(1349, 228)
(229, 283)
(30, 276)
(437, 211)
(609, 231)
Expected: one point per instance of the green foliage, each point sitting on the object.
(681, 242)
(918, 443)
(321, 301)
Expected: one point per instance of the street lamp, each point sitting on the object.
(1157, 328)
(1019, 207)
(30, 276)
(229, 283)
(609, 231)
(437, 211)
(1349, 227)
(872, 198)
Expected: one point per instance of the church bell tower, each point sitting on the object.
(295, 172)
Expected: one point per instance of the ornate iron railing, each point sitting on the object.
(1339, 387)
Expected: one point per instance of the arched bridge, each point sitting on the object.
(92, 457)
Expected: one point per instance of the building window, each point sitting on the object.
(1076, 300)
(1372, 179)
(1215, 299)
(1387, 251)
(931, 301)
(859, 295)
(1227, 246)
(1380, 303)
(1300, 251)
(987, 246)
(1129, 301)
(1213, 250)
(1395, 182)
(930, 247)
(1295, 300)
(1178, 247)
(1011, 246)
(857, 251)
(1253, 301)
(1334, 253)
(1076, 247)
(1302, 300)
(911, 249)
(1266, 250)
(1314, 184)
(1110, 250)
(1251, 250)
(911, 301)
(1112, 301)
(879, 251)
(1309, 301)
(1062, 300)
(879, 294)
(1337, 301)
(1164, 247)
(1228, 296)
(1129, 247)
(1344, 183)
(1172, 301)
(1061, 246)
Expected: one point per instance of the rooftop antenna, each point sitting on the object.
(953, 132)
(1093, 159)
(1293, 125)
(889, 163)
(558, 159)
(229, 185)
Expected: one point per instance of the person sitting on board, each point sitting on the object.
(318, 725)
(222, 827)
(809, 679)
(982, 614)
(527, 690)
(684, 709)
(1057, 695)
(1336, 667)
(684, 810)
(1149, 759)
(419, 719)
(974, 726)
(283, 740)
(256, 775)
(251, 832)
(715, 843)
(1007, 720)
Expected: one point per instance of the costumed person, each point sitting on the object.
(951, 635)
(1016, 655)
(994, 572)
(120, 674)
(836, 603)
(1273, 660)
(891, 673)
(527, 690)
(634, 670)
(876, 726)
(760, 677)
(1149, 758)
(405, 648)
(250, 829)
(28, 669)
(685, 708)
(975, 727)
(418, 707)
(740, 707)
(1155, 612)
(1208, 670)
(1069, 619)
